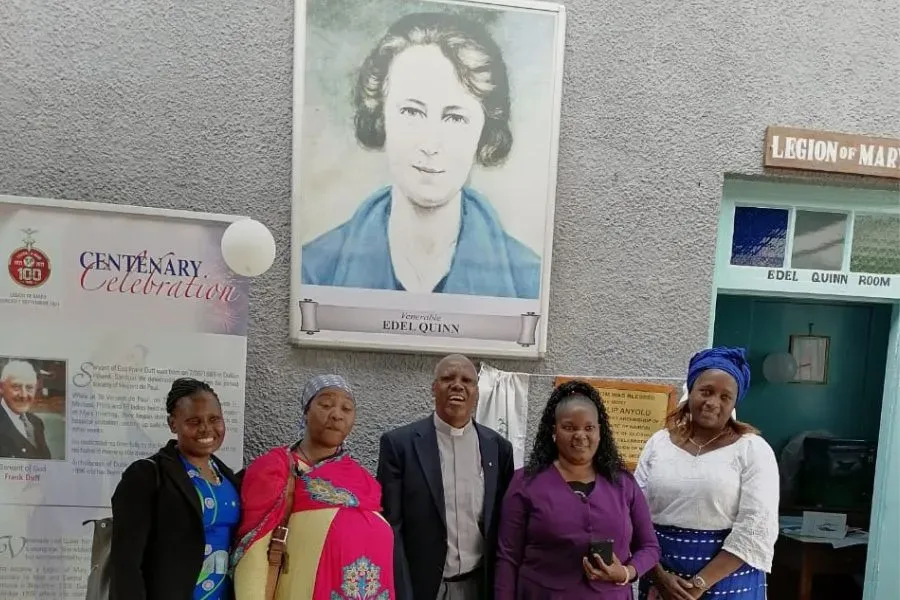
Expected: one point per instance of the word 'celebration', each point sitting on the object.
(140, 273)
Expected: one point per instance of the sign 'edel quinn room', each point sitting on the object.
(826, 248)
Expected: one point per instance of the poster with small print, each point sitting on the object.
(102, 308)
(424, 174)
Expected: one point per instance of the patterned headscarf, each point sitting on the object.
(731, 360)
(314, 386)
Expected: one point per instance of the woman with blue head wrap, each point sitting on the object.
(732, 361)
(338, 540)
(712, 485)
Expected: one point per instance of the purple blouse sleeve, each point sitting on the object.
(511, 541)
(645, 550)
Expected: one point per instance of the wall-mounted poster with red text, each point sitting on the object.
(101, 308)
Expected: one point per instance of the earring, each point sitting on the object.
(554, 437)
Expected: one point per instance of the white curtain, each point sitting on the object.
(503, 406)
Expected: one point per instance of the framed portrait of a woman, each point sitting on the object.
(424, 174)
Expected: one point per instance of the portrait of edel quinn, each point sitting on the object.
(433, 95)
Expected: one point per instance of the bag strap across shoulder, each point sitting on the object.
(277, 554)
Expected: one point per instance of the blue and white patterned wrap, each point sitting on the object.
(686, 551)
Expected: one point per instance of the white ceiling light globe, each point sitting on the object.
(779, 368)
(248, 248)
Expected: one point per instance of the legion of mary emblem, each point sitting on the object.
(28, 266)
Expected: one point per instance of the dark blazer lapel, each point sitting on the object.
(11, 431)
(427, 451)
(489, 467)
(8, 428)
(5, 424)
(172, 468)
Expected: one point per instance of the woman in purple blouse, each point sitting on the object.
(574, 492)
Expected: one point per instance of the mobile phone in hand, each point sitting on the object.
(602, 548)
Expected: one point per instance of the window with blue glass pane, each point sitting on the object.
(760, 236)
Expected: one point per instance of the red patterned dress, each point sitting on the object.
(339, 546)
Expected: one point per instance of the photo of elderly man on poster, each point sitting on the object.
(32, 408)
(443, 190)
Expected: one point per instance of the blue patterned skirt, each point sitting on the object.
(686, 551)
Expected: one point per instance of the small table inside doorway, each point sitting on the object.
(811, 558)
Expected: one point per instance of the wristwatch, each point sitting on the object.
(699, 583)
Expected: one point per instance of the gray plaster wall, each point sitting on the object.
(188, 105)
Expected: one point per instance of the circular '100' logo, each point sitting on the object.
(29, 267)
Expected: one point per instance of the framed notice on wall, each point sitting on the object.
(811, 354)
(423, 211)
(636, 411)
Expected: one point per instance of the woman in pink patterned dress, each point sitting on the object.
(338, 545)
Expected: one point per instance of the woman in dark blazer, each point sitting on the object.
(174, 513)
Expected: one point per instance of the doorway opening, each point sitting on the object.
(818, 370)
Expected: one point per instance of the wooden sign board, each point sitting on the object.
(636, 411)
(809, 150)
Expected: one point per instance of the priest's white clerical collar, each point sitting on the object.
(443, 427)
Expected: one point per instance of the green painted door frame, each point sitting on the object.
(882, 579)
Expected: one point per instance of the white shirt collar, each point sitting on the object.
(450, 430)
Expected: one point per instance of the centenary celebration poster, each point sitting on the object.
(425, 158)
(101, 308)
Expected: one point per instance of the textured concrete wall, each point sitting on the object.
(188, 105)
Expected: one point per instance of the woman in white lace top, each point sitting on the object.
(712, 486)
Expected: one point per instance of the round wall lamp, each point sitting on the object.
(248, 248)
(780, 367)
